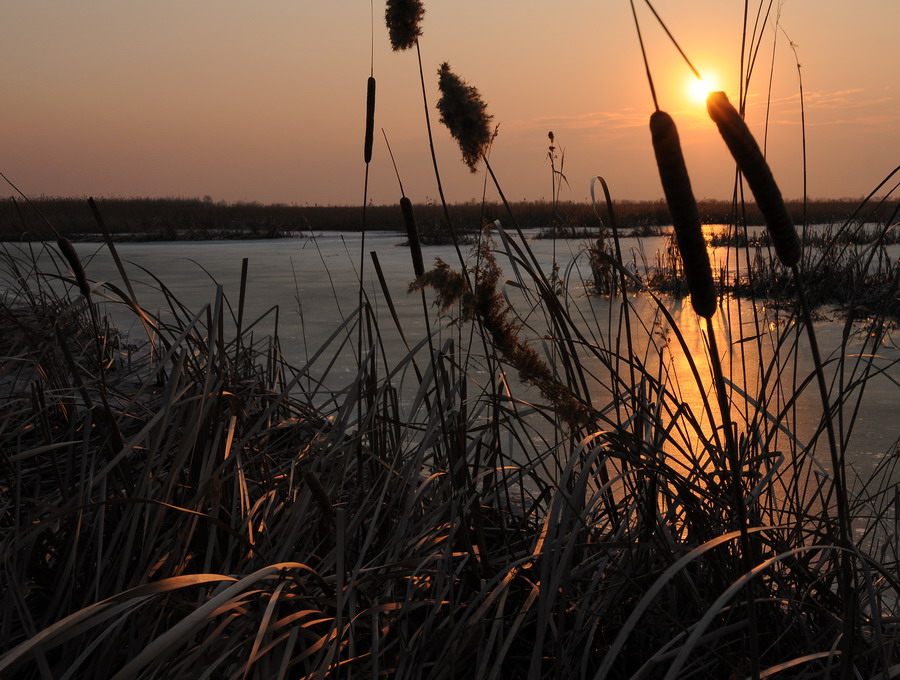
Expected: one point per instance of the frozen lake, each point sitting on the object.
(314, 281)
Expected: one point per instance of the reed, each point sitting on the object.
(755, 169)
(412, 233)
(194, 219)
(465, 114)
(370, 119)
(248, 524)
(403, 19)
(685, 216)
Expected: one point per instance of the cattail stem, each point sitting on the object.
(637, 26)
(747, 547)
(685, 216)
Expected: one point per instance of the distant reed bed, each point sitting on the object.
(150, 219)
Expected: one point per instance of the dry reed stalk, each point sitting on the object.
(685, 216)
(753, 165)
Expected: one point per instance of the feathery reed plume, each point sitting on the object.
(753, 165)
(68, 251)
(402, 18)
(465, 115)
(685, 216)
(370, 119)
(487, 305)
(412, 233)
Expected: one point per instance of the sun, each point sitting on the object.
(699, 88)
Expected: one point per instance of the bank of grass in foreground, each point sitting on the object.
(191, 503)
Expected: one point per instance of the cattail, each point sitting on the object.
(753, 165)
(685, 216)
(465, 115)
(402, 18)
(412, 233)
(68, 251)
(370, 119)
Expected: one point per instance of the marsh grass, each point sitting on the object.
(253, 525)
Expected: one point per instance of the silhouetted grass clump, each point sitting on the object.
(243, 521)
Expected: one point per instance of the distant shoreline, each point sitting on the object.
(149, 219)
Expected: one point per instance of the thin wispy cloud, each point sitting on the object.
(862, 107)
(856, 98)
(627, 118)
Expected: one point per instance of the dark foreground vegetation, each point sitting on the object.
(534, 491)
(170, 219)
(190, 500)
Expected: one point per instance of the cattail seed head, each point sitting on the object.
(753, 165)
(465, 115)
(412, 233)
(370, 119)
(68, 251)
(685, 216)
(403, 18)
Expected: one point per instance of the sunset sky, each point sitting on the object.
(265, 101)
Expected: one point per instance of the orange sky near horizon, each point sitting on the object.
(266, 101)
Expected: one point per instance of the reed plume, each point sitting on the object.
(465, 114)
(753, 165)
(685, 216)
(403, 18)
(487, 305)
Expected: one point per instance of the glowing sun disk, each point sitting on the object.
(700, 88)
